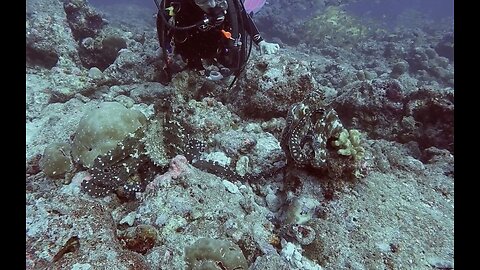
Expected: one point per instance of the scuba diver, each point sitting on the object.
(207, 31)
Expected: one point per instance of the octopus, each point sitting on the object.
(310, 126)
(125, 170)
(133, 163)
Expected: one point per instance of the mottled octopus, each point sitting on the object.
(310, 126)
(128, 168)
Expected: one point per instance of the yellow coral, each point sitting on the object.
(349, 144)
(335, 25)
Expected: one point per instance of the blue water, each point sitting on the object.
(386, 12)
(389, 11)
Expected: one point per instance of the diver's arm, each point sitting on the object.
(251, 28)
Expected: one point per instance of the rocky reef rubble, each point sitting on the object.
(312, 161)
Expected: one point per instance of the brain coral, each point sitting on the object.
(100, 130)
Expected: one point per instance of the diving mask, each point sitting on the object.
(209, 4)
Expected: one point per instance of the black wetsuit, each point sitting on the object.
(196, 44)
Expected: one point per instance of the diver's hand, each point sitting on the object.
(268, 48)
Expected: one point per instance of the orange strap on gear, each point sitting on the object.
(227, 34)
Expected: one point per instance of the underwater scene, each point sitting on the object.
(239, 134)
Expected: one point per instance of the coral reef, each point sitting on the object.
(56, 160)
(251, 150)
(275, 18)
(334, 26)
(52, 223)
(49, 40)
(101, 51)
(349, 144)
(122, 150)
(102, 129)
(207, 253)
(271, 84)
(445, 47)
(384, 109)
(140, 239)
(197, 175)
(84, 20)
(300, 210)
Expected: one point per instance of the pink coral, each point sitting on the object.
(178, 167)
